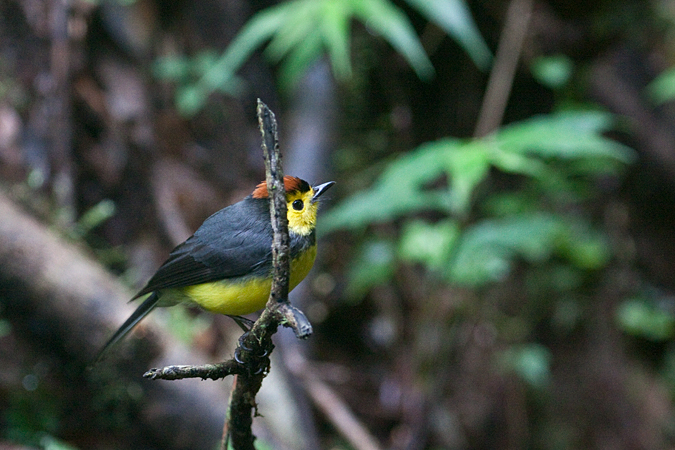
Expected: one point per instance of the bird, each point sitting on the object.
(225, 267)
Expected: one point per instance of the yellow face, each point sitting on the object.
(302, 212)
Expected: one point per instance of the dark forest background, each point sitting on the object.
(497, 260)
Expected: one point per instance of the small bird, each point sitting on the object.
(226, 265)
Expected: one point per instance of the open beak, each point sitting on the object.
(320, 189)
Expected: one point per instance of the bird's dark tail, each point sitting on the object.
(142, 311)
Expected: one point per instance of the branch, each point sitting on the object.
(207, 371)
(504, 69)
(256, 345)
(251, 362)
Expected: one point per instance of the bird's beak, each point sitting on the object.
(320, 189)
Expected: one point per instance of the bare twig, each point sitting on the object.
(504, 68)
(207, 371)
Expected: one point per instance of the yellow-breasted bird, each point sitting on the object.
(226, 265)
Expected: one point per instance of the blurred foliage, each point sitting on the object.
(301, 31)
(529, 361)
(641, 317)
(557, 157)
(662, 88)
(552, 71)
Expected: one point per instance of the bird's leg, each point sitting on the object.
(245, 354)
(251, 354)
(244, 323)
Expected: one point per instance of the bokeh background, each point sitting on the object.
(496, 264)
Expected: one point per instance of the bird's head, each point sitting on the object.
(302, 202)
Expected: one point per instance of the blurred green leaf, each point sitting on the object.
(5, 327)
(335, 32)
(532, 362)
(299, 31)
(585, 248)
(467, 167)
(553, 72)
(384, 18)
(662, 88)
(92, 218)
(428, 243)
(566, 135)
(174, 68)
(524, 148)
(96, 215)
(190, 99)
(48, 442)
(454, 17)
(639, 318)
(398, 190)
(300, 23)
(299, 59)
(485, 251)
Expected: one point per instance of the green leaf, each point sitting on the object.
(467, 167)
(639, 318)
(96, 215)
(585, 248)
(48, 442)
(525, 148)
(392, 24)
(190, 99)
(256, 31)
(553, 72)
(398, 190)
(486, 250)
(429, 244)
(299, 60)
(173, 68)
(567, 135)
(300, 24)
(335, 31)
(662, 89)
(454, 17)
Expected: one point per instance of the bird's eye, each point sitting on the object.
(298, 205)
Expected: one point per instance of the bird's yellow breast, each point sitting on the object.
(239, 297)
